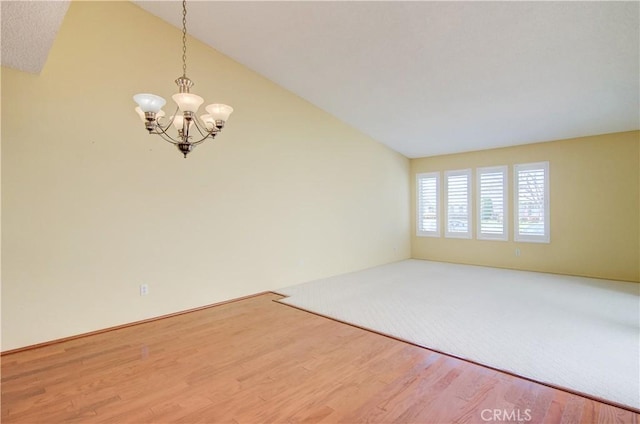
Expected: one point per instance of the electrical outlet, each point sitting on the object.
(144, 289)
(517, 251)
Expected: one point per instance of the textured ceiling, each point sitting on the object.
(428, 78)
(28, 31)
(424, 78)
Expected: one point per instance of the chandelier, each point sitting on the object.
(184, 119)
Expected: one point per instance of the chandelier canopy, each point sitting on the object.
(185, 119)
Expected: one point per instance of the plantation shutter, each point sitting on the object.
(492, 203)
(532, 202)
(458, 223)
(428, 222)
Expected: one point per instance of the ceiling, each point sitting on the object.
(28, 30)
(430, 78)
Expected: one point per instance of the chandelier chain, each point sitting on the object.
(184, 38)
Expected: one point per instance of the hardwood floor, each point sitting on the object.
(258, 361)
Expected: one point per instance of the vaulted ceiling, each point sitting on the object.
(430, 78)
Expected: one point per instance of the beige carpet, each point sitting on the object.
(571, 332)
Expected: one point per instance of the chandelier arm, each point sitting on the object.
(202, 140)
(196, 124)
(166, 137)
(196, 143)
(184, 137)
(200, 127)
(162, 130)
(168, 125)
(208, 133)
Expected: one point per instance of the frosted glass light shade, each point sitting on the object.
(178, 122)
(209, 122)
(140, 113)
(149, 102)
(188, 102)
(219, 112)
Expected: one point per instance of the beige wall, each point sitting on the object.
(93, 206)
(594, 208)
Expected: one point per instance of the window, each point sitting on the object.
(532, 202)
(492, 203)
(428, 185)
(458, 207)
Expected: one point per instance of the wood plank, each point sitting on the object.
(257, 360)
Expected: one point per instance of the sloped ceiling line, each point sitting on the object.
(424, 78)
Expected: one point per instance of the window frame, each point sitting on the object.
(504, 169)
(468, 234)
(419, 231)
(528, 238)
